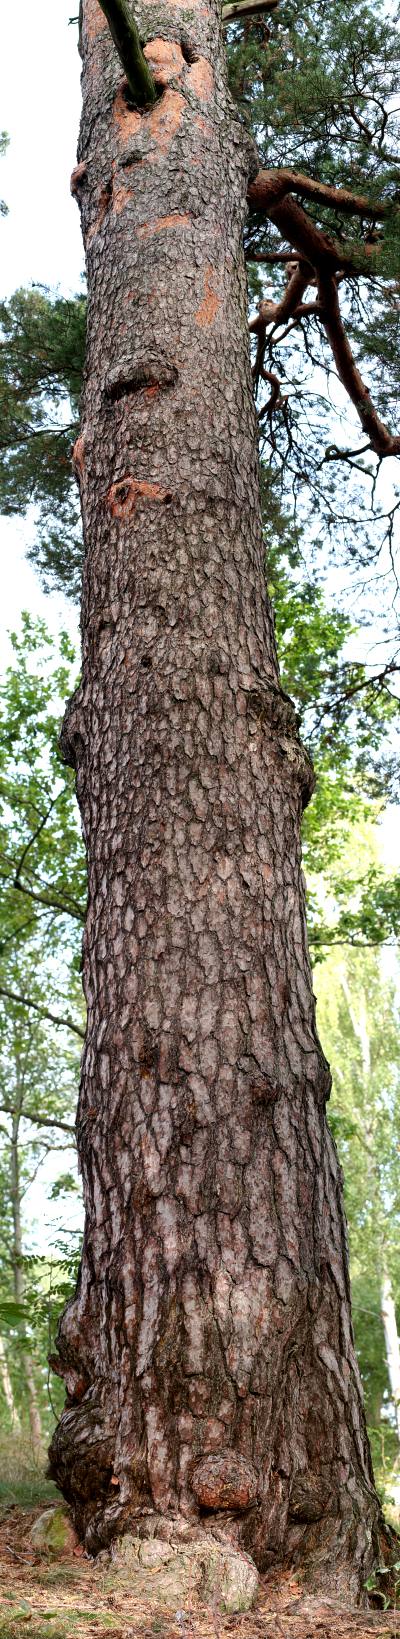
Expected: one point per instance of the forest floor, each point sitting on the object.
(72, 1598)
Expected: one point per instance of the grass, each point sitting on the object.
(49, 1624)
(23, 1482)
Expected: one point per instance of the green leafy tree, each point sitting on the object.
(41, 1017)
(42, 866)
(358, 1013)
(38, 1071)
(349, 722)
(41, 362)
(317, 87)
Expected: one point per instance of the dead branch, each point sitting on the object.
(323, 261)
(55, 1018)
(381, 440)
(247, 8)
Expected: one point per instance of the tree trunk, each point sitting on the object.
(359, 1022)
(208, 1354)
(392, 1345)
(8, 1388)
(35, 1423)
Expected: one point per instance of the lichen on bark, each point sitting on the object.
(211, 1323)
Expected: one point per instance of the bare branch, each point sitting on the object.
(381, 440)
(26, 1001)
(319, 256)
(39, 1120)
(277, 312)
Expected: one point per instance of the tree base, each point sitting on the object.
(185, 1568)
(282, 1608)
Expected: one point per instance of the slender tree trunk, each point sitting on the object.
(392, 1345)
(208, 1353)
(35, 1423)
(359, 1023)
(8, 1388)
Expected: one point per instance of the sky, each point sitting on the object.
(40, 239)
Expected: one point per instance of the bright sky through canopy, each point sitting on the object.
(39, 108)
(40, 238)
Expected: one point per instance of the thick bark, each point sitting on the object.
(207, 1354)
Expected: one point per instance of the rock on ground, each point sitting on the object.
(54, 1533)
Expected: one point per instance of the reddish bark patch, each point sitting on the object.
(202, 125)
(121, 197)
(165, 59)
(76, 1386)
(200, 79)
(127, 120)
(122, 496)
(224, 1480)
(104, 201)
(94, 20)
(165, 119)
(78, 176)
(160, 222)
(208, 309)
(78, 455)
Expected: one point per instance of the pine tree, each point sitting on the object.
(207, 1354)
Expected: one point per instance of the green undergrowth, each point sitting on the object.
(23, 1482)
(16, 1613)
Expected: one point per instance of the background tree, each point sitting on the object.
(42, 865)
(37, 1095)
(41, 1026)
(359, 1017)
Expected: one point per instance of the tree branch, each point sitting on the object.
(381, 440)
(322, 258)
(25, 1001)
(51, 900)
(39, 1120)
(277, 312)
(269, 187)
(246, 8)
(313, 245)
(125, 35)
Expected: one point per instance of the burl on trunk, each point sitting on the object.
(207, 1355)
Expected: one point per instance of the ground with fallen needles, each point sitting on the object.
(73, 1597)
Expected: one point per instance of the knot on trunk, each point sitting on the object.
(71, 739)
(122, 496)
(309, 1498)
(132, 375)
(269, 706)
(224, 1480)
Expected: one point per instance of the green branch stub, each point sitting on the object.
(125, 35)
